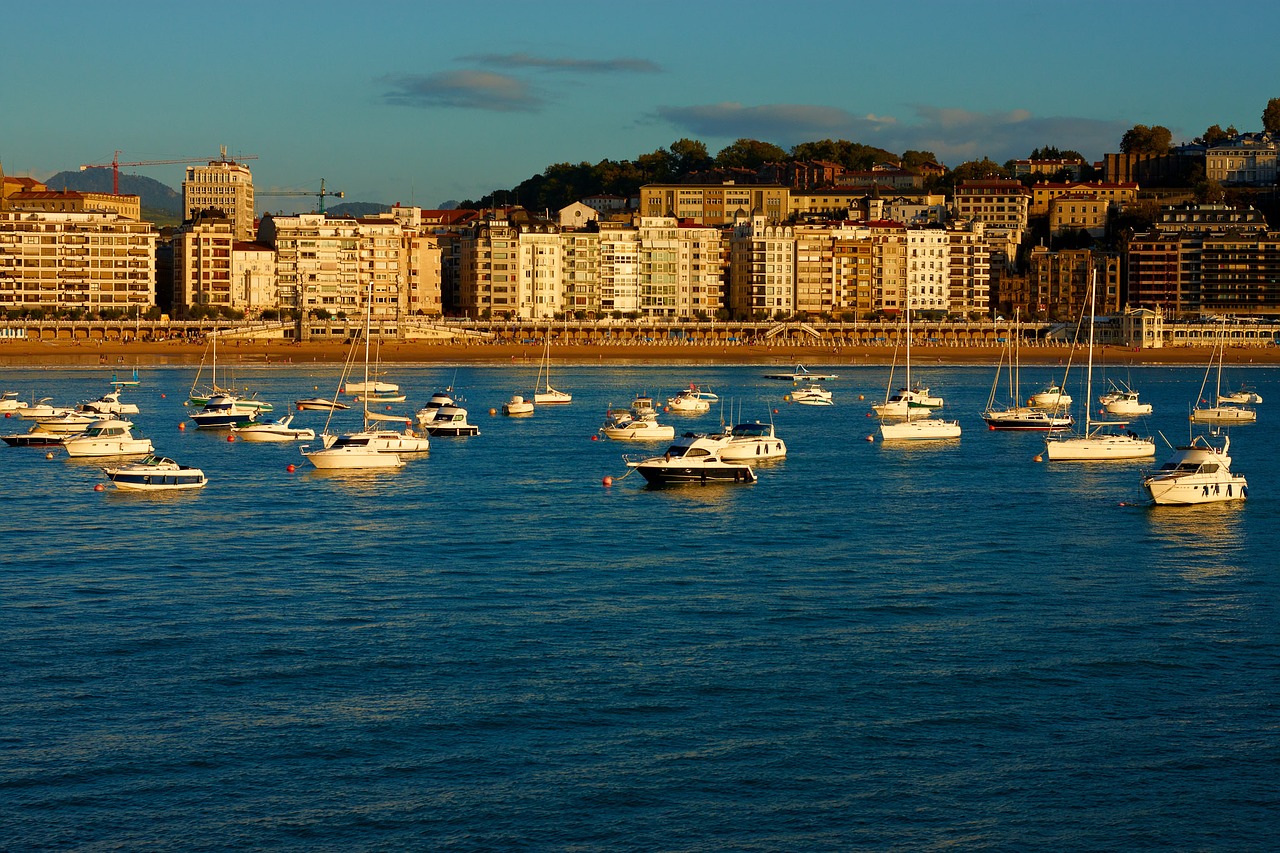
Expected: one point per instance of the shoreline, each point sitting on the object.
(22, 354)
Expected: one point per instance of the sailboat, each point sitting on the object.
(543, 392)
(1099, 440)
(913, 429)
(1016, 416)
(225, 407)
(1222, 411)
(367, 449)
(908, 402)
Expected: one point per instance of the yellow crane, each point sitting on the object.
(323, 192)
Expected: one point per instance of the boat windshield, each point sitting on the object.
(750, 430)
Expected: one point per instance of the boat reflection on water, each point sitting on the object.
(1200, 542)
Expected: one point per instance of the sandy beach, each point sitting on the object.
(17, 354)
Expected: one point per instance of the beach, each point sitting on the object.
(20, 353)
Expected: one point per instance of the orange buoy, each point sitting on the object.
(290, 468)
(493, 412)
(860, 397)
(231, 438)
(595, 438)
(182, 426)
(608, 481)
(163, 396)
(1037, 458)
(871, 438)
(49, 455)
(97, 487)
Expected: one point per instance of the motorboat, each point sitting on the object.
(543, 393)
(68, 422)
(319, 404)
(156, 473)
(1050, 397)
(351, 452)
(109, 404)
(692, 458)
(371, 386)
(223, 411)
(438, 400)
(642, 408)
(36, 437)
(451, 420)
(201, 395)
(379, 398)
(688, 402)
(812, 395)
(1197, 473)
(109, 437)
(517, 407)
(42, 408)
(279, 429)
(1224, 409)
(1101, 440)
(752, 441)
(919, 429)
(399, 442)
(1123, 400)
(1244, 396)
(623, 425)
(10, 404)
(801, 374)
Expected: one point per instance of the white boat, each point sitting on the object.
(801, 374)
(10, 404)
(693, 458)
(1015, 416)
(812, 394)
(752, 441)
(1123, 400)
(155, 474)
(689, 401)
(1197, 473)
(1244, 396)
(280, 429)
(222, 411)
(438, 400)
(318, 404)
(907, 415)
(1100, 441)
(623, 425)
(642, 408)
(371, 386)
(543, 393)
(109, 404)
(517, 407)
(109, 437)
(126, 383)
(1050, 397)
(42, 408)
(68, 422)
(452, 420)
(1219, 412)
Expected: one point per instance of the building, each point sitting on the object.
(1058, 284)
(76, 261)
(1078, 211)
(761, 269)
(1072, 167)
(715, 204)
(1002, 206)
(1119, 194)
(72, 201)
(970, 261)
(577, 215)
(882, 175)
(254, 284)
(202, 264)
(1248, 159)
(619, 269)
(223, 185)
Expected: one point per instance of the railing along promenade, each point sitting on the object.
(984, 333)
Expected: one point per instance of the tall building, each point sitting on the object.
(619, 268)
(970, 260)
(225, 185)
(202, 263)
(762, 269)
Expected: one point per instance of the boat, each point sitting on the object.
(812, 394)
(752, 441)
(1015, 416)
(642, 407)
(624, 425)
(1244, 396)
(1123, 400)
(517, 407)
(372, 386)
(68, 423)
(1221, 411)
(1052, 396)
(109, 404)
(438, 400)
(42, 408)
(692, 458)
(1197, 473)
(36, 437)
(318, 404)
(109, 437)
(543, 392)
(202, 396)
(801, 374)
(1101, 440)
(907, 414)
(222, 411)
(126, 383)
(451, 420)
(280, 429)
(154, 474)
(689, 401)
(10, 403)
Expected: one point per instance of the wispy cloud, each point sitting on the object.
(954, 135)
(465, 89)
(624, 65)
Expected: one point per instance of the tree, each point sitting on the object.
(1141, 139)
(690, 155)
(1213, 135)
(749, 154)
(1271, 116)
(975, 170)
(912, 159)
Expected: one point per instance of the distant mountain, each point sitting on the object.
(153, 194)
(357, 208)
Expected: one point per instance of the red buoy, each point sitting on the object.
(608, 481)
(231, 438)
(290, 469)
(97, 487)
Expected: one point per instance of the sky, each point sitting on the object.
(425, 102)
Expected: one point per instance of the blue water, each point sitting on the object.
(870, 648)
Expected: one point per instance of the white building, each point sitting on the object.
(225, 185)
(928, 269)
(762, 264)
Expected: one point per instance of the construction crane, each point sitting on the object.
(323, 192)
(115, 164)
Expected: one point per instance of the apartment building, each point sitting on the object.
(715, 204)
(928, 269)
(1003, 206)
(762, 269)
(582, 272)
(87, 261)
(72, 201)
(225, 185)
(888, 266)
(1240, 274)
(539, 271)
(202, 250)
(970, 259)
(488, 258)
(1053, 166)
(619, 268)
(1058, 284)
(687, 270)
(254, 284)
(1044, 192)
(1078, 211)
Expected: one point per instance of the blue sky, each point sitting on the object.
(422, 102)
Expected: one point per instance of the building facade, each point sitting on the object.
(225, 185)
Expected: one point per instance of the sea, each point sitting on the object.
(874, 647)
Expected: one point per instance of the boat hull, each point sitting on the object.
(1188, 491)
(926, 429)
(661, 474)
(1100, 448)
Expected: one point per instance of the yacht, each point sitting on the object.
(907, 415)
(750, 441)
(642, 408)
(36, 437)
(543, 393)
(1197, 473)
(920, 429)
(351, 452)
(1225, 409)
(68, 422)
(109, 437)
(1014, 416)
(623, 425)
(280, 429)
(319, 404)
(156, 473)
(1123, 400)
(689, 401)
(42, 408)
(812, 395)
(451, 420)
(801, 374)
(223, 411)
(427, 413)
(517, 407)
(1245, 396)
(1050, 397)
(10, 404)
(693, 458)
(109, 404)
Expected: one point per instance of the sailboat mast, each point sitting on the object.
(908, 371)
(1088, 382)
(368, 325)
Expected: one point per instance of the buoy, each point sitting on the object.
(775, 411)
(97, 487)
(162, 396)
(871, 438)
(991, 428)
(786, 397)
(182, 426)
(860, 397)
(315, 387)
(493, 412)
(868, 414)
(1037, 458)
(231, 438)
(290, 468)
(7, 414)
(595, 438)
(49, 455)
(608, 481)
(388, 408)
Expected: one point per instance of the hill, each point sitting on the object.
(154, 195)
